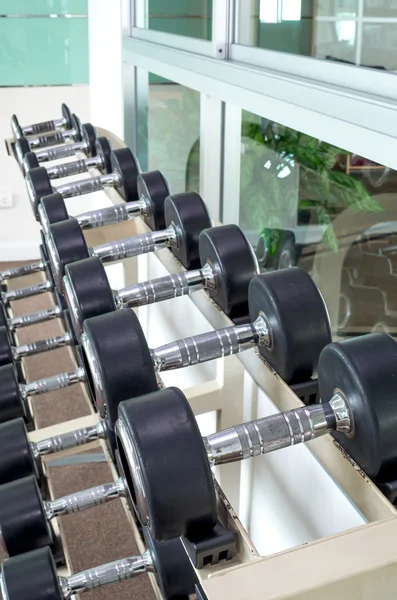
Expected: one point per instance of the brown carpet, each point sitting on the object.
(101, 534)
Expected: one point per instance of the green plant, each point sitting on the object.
(284, 171)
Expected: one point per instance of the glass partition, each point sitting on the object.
(306, 202)
(358, 32)
(180, 17)
(169, 141)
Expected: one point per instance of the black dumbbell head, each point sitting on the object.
(6, 356)
(29, 162)
(16, 128)
(16, 459)
(297, 318)
(21, 148)
(88, 135)
(65, 244)
(77, 126)
(232, 259)
(103, 149)
(173, 570)
(154, 188)
(11, 401)
(23, 522)
(166, 465)
(67, 115)
(87, 292)
(127, 167)
(364, 370)
(38, 185)
(52, 210)
(3, 315)
(31, 576)
(189, 215)
(117, 361)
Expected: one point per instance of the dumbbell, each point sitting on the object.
(227, 261)
(123, 173)
(33, 576)
(52, 138)
(228, 264)
(21, 457)
(152, 191)
(289, 327)
(98, 157)
(185, 216)
(84, 141)
(170, 463)
(60, 123)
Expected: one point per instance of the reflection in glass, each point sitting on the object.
(181, 17)
(306, 202)
(173, 129)
(335, 30)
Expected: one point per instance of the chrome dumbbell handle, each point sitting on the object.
(89, 185)
(67, 169)
(134, 246)
(39, 346)
(164, 288)
(32, 319)
(26, 292)
(51, 139)
(209, 346)
(278, 431)
(43, 127)
(97, 577)
(100, 494)
(21, 271)
(47, 154)
(111, 214)
(71, 439)
(50, 384)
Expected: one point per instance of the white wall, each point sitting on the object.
(105, 41)
(19, 232)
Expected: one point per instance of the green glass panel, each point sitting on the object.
(44, 7)
(43, 51)
(182, 17)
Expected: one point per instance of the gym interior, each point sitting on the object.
(198, 271)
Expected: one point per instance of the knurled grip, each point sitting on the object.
(50, 139)
(105, 216)
(39, 346)
(95, 496)
(59, 152)
(37, 317)
(204, 347)
(79, 188)
(156, 290)
(37, 128)
(67, 169)
(71, 439)
(128, 247)
(21, 271)
(50, 384)
(26, 292)
(277, 431)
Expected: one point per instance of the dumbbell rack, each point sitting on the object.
(367, 553)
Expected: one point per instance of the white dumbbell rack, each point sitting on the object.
(322, 529)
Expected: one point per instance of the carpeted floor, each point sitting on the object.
(101, 534)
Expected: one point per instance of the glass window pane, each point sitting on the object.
(181, 17)
(380, 8)
(327, 29)
(44, 7)
(171, 138)
(305, 202)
